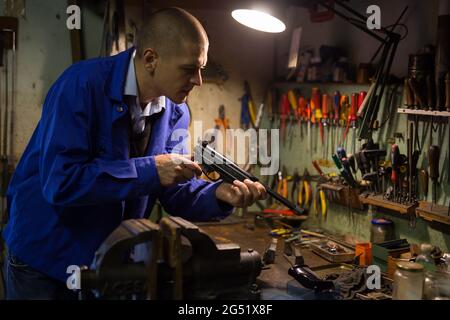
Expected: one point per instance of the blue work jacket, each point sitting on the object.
(70, 188)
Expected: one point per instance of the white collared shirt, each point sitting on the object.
(138, 116)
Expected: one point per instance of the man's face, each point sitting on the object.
(179, 73)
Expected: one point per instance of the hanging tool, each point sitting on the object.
(309, 133)
(284, 114)
(395, 161)
(245, 115)
(325, 109)
(316, 111)
(303, 114)
(347, 177)
(336, 114)
(251, 105)
(320, 202)
(294, 108)
(344, 114)
(433, 162)
(305, 194)
(282, 184)
(223, 122)
(362, 106)
(352, 120)
(316, 102)
(423, 178)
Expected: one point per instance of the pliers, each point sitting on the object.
(305, 193)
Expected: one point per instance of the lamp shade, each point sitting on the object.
(259, 16)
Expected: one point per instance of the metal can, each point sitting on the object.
(408, 281)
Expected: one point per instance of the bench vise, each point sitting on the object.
(172, 260)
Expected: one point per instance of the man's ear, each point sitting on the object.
(150, 58)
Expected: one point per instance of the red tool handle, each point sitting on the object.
(325, 101)
(395, 160)
(353, 108)
(302, 106)
(362, 95)
(308, 111)
(315, 97)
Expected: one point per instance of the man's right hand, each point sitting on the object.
(175, 168)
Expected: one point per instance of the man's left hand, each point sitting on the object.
(241, 194)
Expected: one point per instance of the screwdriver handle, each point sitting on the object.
(325, 101)
(302, 107)
(308, 112)
(424, 182)
(433, 162)
(361, 96)
(341, 153)
(336, 104)
(353, 108)
(395, 160)
(315, 98)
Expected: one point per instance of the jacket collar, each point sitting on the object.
(116, 78)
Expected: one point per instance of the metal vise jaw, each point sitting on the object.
(113, 273)
(178, 260)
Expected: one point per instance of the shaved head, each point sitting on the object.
(167, 30)
(172, 50)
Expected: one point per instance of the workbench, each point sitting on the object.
(274, 278)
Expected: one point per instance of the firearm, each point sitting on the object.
(212, 161)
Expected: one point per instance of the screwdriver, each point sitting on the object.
(395, 160)
(336, 113)
(325, 110)
(433, 162)
(352, 120)
(424, 183)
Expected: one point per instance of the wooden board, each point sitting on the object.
(433, 212)
(378, 201)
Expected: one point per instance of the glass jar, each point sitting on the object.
(340, 70)
(315, 70)
(436, 286)
(382, 230)
(408, 281)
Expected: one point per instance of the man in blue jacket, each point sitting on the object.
(103, 151)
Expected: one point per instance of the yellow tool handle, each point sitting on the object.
(293, 101)
(307, 193)
(300, 196)
(252, 111)
(323, 203)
